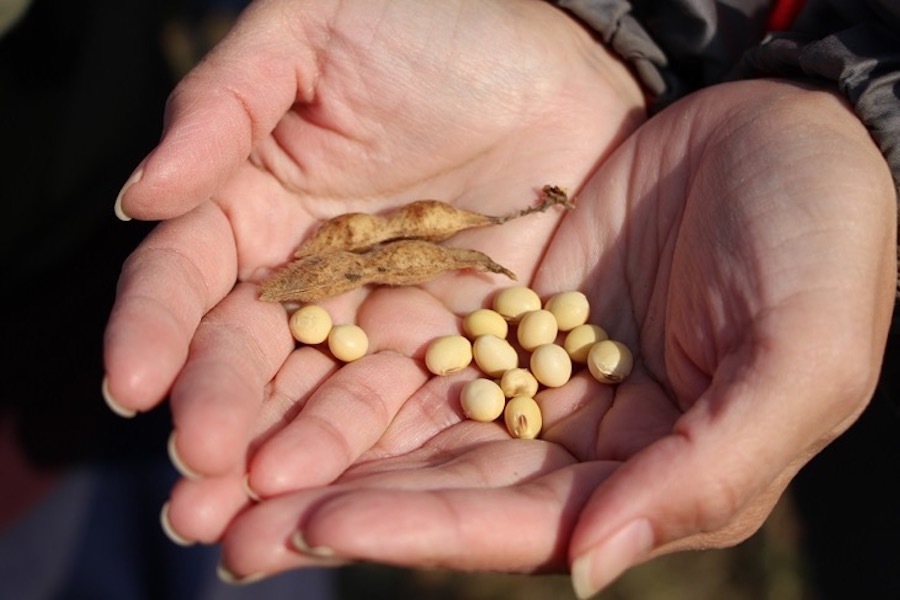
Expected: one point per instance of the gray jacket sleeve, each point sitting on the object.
(851, 44)
(677, 46)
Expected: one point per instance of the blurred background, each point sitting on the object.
(82, 91)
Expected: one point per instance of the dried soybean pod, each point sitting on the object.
(353, 232)
(316, 277)
(523, 418)
(434, 221)
(429, 220)
(405, 262)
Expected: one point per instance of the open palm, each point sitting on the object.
(305, 111)
(310, 110)
(741, 242)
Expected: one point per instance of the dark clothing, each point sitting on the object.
(677, 46)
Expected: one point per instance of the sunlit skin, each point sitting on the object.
(741, 243)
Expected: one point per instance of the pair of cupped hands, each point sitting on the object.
(740, 242)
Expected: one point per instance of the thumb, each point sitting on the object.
(216, 115)
(714, 479)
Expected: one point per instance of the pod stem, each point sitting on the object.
(552, 196)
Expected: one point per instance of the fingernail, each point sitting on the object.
(300, 544)
(135, 177)
(226, 575)
(177, 462)
(117, 408)
(249, 490)
(597, 568)
(169, 531)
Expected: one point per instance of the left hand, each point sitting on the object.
(742, 244)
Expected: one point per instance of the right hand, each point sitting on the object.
(311, 109)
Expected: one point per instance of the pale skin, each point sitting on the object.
(741, 243)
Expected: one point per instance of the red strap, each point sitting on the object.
(783, 14)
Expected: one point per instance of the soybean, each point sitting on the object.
(551, 365)
(579, 341)
(535, 328)
(571, 309)
(513, 302)
(485, 321)
(518, 382)
(448, 354)
(482, 400)
(494, 356)
(348, 342)
(523, 419)
(310, 324)
(610, 361)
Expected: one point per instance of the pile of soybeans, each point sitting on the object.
(508, 387)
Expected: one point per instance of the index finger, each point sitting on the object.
(182, 269)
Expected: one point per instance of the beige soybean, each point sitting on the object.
(515, 301)
(571, 309)
(310, 324)
(523, 418)
(448, 354)
(536, 327)
(551, 365)
(494, 356)
(348, 342)
(610, 361)
(579, 341)
(482, 400)
(518, 382)
(485, 321)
